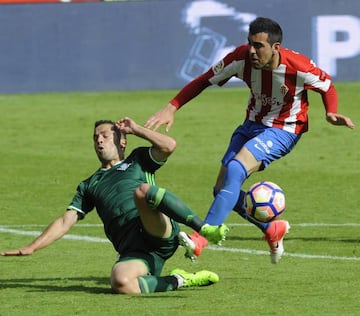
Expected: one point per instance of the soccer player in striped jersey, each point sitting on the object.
(140, 218)
(276, 116)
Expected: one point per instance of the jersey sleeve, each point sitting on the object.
(330, 100)
(313, 78)
(232, 65)
(146, 160)
(319, 81)
(218, 74)
(191, 90)
(81, 203)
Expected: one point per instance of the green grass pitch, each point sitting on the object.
(46, 149)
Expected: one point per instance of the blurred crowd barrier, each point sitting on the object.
(159, 44)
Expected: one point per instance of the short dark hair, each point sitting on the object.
(266, 25)
(100, 122)
(117, 132)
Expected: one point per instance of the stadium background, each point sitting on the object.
(136, 45)
(47, 149)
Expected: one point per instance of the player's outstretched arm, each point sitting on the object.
(53, 232)
(165, 116)
(339, 119)
(187, 93)
(162, 145)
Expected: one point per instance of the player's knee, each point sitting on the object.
(120, 284)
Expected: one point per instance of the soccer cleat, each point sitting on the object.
(200, 278)
(193, 244)
(274, 236)
(214, 234)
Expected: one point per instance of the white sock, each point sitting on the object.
(179, 279)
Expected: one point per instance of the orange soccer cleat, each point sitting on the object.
(274, 236)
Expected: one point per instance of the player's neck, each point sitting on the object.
(274, 62)
(110, 164)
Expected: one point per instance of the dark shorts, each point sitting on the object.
(153, 251)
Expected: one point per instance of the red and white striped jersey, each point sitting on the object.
(278, 98)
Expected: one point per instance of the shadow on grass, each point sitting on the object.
(62, 284)
(46, 285)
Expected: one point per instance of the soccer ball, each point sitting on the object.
(264, 201)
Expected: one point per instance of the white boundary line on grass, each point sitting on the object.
(230, 224)
(5, 229)
(286, 254)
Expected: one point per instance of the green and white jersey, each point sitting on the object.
(111, 192)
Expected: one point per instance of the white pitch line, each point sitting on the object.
(3, 229)
(43, 225)
(228, 224)
(286, 254)
(306, 225)
(37, 233)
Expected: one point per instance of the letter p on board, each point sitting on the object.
(336, 37)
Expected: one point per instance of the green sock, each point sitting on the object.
(151, 283)
(169, 204)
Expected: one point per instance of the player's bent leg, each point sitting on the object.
(124, 276)
(155, 222)
(169, 204)
(227, 197)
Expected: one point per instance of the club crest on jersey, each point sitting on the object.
(323, 76)
(284, 89)
(218, 67)
(124, 166)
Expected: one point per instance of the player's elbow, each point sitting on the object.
(168, 147)
(171, 146)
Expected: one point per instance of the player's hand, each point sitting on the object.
(26, 251)
(126, 125)
(165, 116)
(338, 119)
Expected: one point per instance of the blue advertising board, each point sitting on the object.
(160, 44)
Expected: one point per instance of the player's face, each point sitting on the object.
(104, 143)
(261, 53)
